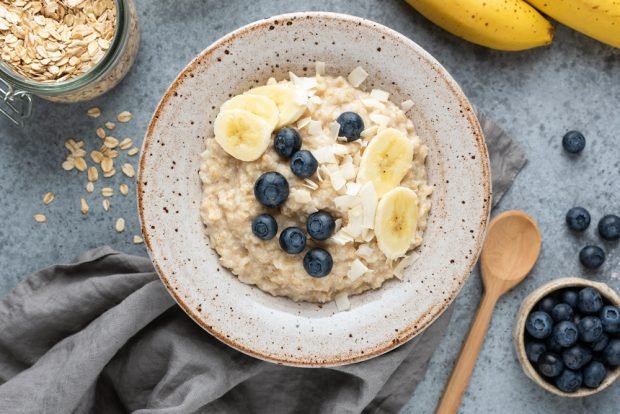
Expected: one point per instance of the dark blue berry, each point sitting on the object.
(318, 262)
(351, 125)
(287, 142)
(576, 357)
(271, 189)
(593, 374)
(264, 227)
(589, 301)
(539, 324)
(590, 329)
(610, 318)
(592, 257)
(553, 346)
(570, 297)
(578, 219)
(565, 333)
(609, 227)
(611, 353)
(303, 164)
(600, 343)
(569, 381)
(573, 142)
(546, 304)
(292, 240)
(550, 364)
(320, 225)
(534, 350)
(562, 312)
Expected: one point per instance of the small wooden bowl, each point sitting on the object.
(519, 332)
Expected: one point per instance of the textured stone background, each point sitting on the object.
(536, 96)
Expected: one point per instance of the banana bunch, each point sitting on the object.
(517, 24)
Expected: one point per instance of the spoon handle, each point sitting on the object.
(466, 362)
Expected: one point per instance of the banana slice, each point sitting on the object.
(259, 105)
(290, 100)
(396, 221)
(386, 160)
(242, 134)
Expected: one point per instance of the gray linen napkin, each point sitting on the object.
(102, 335)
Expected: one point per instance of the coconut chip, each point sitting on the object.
(357, 76)
(406, 105)
(320, 68)
(380, 95)
(357, 269)
(342, 302)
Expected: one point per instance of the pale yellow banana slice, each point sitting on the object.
(257, 104)
(386, 160)
(290, 100)
(396, 222)
(242, 134)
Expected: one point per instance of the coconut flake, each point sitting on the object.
(303, 122)
(301, 196)
(380, 95)
(306, 83)
(368, 235)
(340, 149)
(354, 226)
(357, 76)
(337, 179)
(334, 129)
(364, 250)
(316, 100)
(342, 302)
(310, 184)
(346, 202)
(315, 128)
(294, 78)
(379, 119)
(372, 103)
(341, 238)
(320, 68)
(348, 169)
(338, 225)
(370, 132)
(271, 81)
(369, 200)
(357, 269)
(353, 188)
(399, 270)
(325, 155)
(407, 105)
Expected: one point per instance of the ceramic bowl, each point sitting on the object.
(275, 328)
(519, 331)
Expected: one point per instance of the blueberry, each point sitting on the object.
(271, 189)
(565, 333)
(287, 142)
(593, 374)
(320, 225)
(292, 240)
(303, 164)
(539, 324)
(553, 346)
(264, 227)
(592, 257)
(562, 312)
(576, 357)
(578, 219)
(590, 329)
(570, 297)
(351, 125)
(318, 262)
(574, 142)
(569, 381)
(609, 227)
(550, 364)
(611, 353)
(589, 301)
(610, 318)
(534, 350)
(546, 304)
(600, 343)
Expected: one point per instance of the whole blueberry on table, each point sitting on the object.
(292, 240)
(611, 353)
(578, 219)
(351, 125)
(590, 329)
(593, 374)
(318, 262)
(569, 380)
(553, 346)
(271, 189)
(573, 142)
(303, 164)
(609, 227)
(562, 312)
(592, 257)
(546, 304)
(610, 318)
(534, 350)
(565, 333)
(589, 301)
(600, 343)
(550, 364)
(264, 226)
(539, 324)
(569, 297)
(576, 357)
(320, 225)
(287, 142)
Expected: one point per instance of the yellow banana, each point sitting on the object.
(599, 19)
(498, 24)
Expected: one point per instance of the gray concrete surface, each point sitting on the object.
(535, 95)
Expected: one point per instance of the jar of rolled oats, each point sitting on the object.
(63, 50)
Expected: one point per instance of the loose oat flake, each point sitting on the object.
(119, 226)
(48, 198)
(124, 189)
(107, 191)
(106, 204)
(128, 170)
(125, 144)
(124, 116)
(80, 164)
(137, 240)
(40, 218)
(110, 125)
(110, 142)
(133, 151)
(93, 174)
(93, 112)
(107, 164)
(83, 206)
(90, 187)
(96, 156)
(100, 133)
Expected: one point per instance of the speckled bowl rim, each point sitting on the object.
(414, 328)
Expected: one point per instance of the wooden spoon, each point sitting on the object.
(509, 253)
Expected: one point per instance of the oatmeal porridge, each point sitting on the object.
(315, 189)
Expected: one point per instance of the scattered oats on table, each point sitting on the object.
(83, 206)
(40, 218)
(137, 240)
(106, 204)
(133, 151)
(119, 226)
(48, 198)
(100, 133)
(94, 112)
(110, 125)
(128, 170)
(124, 189)
(124, 116)
(107, 191)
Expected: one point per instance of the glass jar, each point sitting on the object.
(16, 90)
